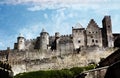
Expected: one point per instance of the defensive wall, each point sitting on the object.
(23, 61)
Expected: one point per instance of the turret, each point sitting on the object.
(44, 40)
(57, 39)
(20, 42)
(57, 35)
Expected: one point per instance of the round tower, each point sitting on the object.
(57, 38)
(44, 40)
(57, 35)
(21, 42)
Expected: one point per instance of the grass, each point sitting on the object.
(63, 73)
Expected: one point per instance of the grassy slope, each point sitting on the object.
(64, 73)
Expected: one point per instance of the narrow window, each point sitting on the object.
(96, 41)
(78, 41)
(108, 26)
(80, 31)
(43, 37)
(92, 41)
(91, 36)
(76, 31)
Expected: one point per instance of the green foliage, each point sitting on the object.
(46, 74)
(64, 73)
(77, 70)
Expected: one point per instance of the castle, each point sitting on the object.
(62, 51)
(80, 38)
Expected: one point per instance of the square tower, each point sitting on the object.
(94, 35)
(107, 32)
(79, 36)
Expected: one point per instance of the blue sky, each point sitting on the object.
(30, 16)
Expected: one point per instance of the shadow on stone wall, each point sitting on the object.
(5, 70)
(4, 74)
(113, 71)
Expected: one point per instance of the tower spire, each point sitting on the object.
(20, 35)
(43, 30)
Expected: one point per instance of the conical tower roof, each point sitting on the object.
(78, 25)
(43, 30)
(20, 35)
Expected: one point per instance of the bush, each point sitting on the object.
(76, 70)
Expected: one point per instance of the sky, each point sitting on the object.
(29, 17)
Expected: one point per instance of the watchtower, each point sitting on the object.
(107, 32)
(44, 40)
(57, 39)
(79, 36)
(20, 42)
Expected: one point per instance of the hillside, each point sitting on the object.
(63, 73)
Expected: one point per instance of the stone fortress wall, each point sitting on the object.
(24, 61)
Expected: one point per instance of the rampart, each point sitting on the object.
(25, 61)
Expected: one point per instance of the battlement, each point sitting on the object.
(68, 35)
(106, 17)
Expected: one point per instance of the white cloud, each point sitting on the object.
(1, 43)
(59, 22)
(35, 8)
(32, 31)
(55, 4)
(43, 6)
(55, 1)
(46, 16)
(58, 1)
